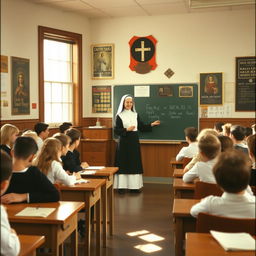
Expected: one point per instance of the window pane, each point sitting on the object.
(57, 113)
(48, 113)
(56, 92)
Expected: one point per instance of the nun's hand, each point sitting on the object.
(157, 122)
(131, 128)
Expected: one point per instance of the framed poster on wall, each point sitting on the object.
(211, 89)
(20, 103)
(245, 83)
(102, 61)
(101, 99)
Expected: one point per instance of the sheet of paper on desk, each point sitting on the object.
(88, 172)
(94, 168)
(80, 181)
(235, 241)
(35, 212)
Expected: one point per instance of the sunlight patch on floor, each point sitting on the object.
(148, 248)
(151, 238)
(137, 233)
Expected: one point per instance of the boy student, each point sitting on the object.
(71, 161)
(192, 149)
(251, 146)
(218, 127)
(209, 148)
(42, 131)
(10, 244)
(65, 126)
(237, 134)
(232, 173)
(28, 183)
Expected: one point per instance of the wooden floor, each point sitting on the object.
(150, 211)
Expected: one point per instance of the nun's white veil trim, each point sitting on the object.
(121, 105)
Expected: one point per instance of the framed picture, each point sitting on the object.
(101, 99)
(245, 83)
(165, 91)
(102, 61)
(185, 91)
(211, 89)
(20, 102)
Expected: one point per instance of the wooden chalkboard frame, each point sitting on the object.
(171, 129)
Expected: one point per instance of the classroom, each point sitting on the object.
(184, 63)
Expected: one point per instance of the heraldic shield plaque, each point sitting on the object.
(143, 54)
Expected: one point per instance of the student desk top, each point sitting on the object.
(29, 244)
(178, 173)
(202, 244)
(106, 173)
(59, 225)
(184, 222)
(182, 189)
(176, 164)
(90, 193)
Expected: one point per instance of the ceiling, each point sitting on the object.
(123, 8)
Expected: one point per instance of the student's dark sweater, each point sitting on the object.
(253, 177)
(71, 161)
(6, 149)
(34, 182)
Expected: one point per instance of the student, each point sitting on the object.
(192, 149)
(197, 157)
(237, 134)
(65, 126)
(218, 127)
(226, 129)
(42, 131)
(226, 143)
(232, 173)
(9, 134)
(71, 161)
(28, 183)
(10, 244)
(65, 141)
(30, 133)
(253, 128)
(251, 146)
(50, 164)
(248, 132)
(209, 148)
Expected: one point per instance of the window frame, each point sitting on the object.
(76, 40)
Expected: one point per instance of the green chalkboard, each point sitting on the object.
(175, 105)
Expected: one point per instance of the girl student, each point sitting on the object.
(49, 162)
(9, 133)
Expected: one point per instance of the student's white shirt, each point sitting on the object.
(201, 170)
(58, 174)
(190, 151)
(228, 205)
(40, 143)
(10, 243)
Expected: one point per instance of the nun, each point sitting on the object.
(128, 156)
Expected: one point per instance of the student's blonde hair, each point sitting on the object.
(207, 131)
(7, 130)
(226, 129)
(49, 153)
(209, 145)
(31, 134)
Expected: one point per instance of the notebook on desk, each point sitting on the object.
(35, 212)
(94, 168)
(80, 181)
(234, 241)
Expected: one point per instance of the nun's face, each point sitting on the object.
(128, 103)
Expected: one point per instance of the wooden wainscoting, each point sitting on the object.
(22, 124)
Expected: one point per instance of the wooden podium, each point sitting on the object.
(96, 146)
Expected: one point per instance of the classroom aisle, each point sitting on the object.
(150, 211)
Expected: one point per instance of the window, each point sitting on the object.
(60, 76)
(58, 94)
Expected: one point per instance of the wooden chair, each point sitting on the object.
(203, 189)
(207, 222)
(253, 190)
(57, 186)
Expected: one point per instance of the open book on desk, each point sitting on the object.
(234, 241)
(35, 212)
(80, 181)
(93, 168)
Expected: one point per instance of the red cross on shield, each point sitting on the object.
(142, 54)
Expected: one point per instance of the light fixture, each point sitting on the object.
(218, 3)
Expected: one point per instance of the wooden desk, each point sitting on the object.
(107, 202)
(56, 227)
(176, 164)
(182, 189)
(178, 173)
(184, 222)
(200, 244)
(90, 193)
(29, 244)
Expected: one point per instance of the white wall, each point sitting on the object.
(19, 38)
(189, 44)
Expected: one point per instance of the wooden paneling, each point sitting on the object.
(22, 124)
(91, 121)
(100, 133)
